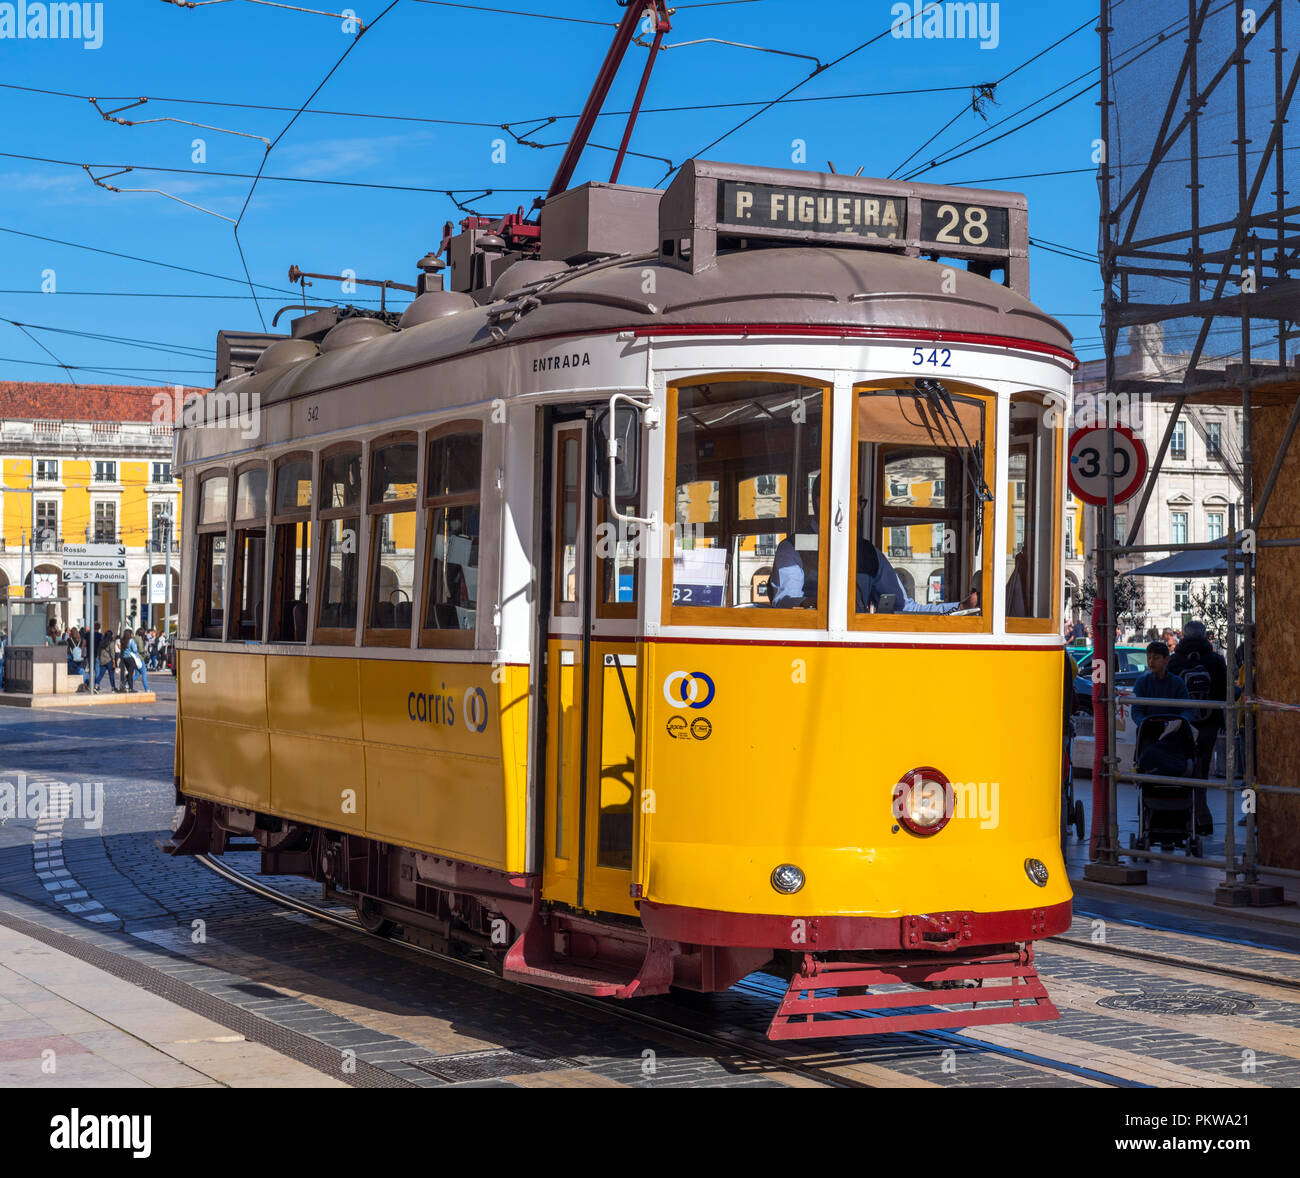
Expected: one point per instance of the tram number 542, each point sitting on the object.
(935, 357)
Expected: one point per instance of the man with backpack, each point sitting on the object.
(1204, 671)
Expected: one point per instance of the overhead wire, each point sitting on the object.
(1023, 65)
(820, 69)
(483, 123)
(450, 193)
(1137, 50)
(57, 362)
(284, 131)
(187, 351)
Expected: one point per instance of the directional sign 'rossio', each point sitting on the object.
(1090, 451)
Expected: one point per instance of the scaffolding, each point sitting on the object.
(1197, 244)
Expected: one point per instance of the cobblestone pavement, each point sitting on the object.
(409, 1021)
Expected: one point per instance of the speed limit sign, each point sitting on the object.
(1090, 451)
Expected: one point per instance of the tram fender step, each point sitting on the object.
(833, 999)
(532, 960)
(198, 833)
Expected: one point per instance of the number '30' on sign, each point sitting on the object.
(1095, 452)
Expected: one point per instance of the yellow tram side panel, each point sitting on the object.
(358, 745)
(225, 754)
(798, 760)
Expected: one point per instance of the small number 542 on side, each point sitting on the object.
(935, 357)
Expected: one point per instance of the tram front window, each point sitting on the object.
(922, 503)
(749, 501)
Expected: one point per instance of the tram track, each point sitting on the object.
(733, 1046)
(1173, 961)
(736, 1045)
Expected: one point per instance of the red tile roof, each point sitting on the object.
(87, 402)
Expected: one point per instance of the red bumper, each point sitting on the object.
(942, 932)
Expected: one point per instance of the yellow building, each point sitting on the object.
(90, 463)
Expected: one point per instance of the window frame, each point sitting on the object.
(54, 543)
(373, 635)
(1054, 622)
(95, 506)
(575, 430)
(335, 635)
(292, 518)
(981, 623)
(432, 637)
(1179, 432)
(235, 548)
(736, 617)
(202, 565)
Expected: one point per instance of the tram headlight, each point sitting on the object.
(924, 800)
(787, 879)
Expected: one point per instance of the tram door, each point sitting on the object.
(591, 685)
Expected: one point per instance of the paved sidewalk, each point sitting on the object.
(1175, 886)
(66, 1024)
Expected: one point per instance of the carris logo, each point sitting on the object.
(476, 709)
(689, 689)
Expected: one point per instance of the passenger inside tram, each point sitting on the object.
(921, 501)
(748, 491)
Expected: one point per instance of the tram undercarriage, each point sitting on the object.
(920, 972)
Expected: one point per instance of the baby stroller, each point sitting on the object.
(1166, 747)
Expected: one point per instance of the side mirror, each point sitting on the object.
(626, 453)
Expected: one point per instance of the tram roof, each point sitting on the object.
(788, 286)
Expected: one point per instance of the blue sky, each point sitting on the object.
(425, 61)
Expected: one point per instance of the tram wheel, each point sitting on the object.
(370, 919)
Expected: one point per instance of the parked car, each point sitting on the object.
(1130, 664)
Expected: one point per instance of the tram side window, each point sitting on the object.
(1031, 540)
(210, 568)
(392, 540)
(338, 575)
(290, 561)
(451, 555)
(919, 471)
(250, 555)
(749, 521)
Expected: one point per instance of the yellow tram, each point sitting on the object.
(674, 596)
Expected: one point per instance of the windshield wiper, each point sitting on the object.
(941, 402)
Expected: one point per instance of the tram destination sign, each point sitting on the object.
(810, 210)
(709, 208)
(759, 207)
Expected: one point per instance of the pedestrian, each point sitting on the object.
(135, 648)
(1205, 672)
(119, 657)
(75, 653)
(104, 658)
(2, 660)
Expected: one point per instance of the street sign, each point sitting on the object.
(1090, 451)
(104, 563)
(94, 550)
